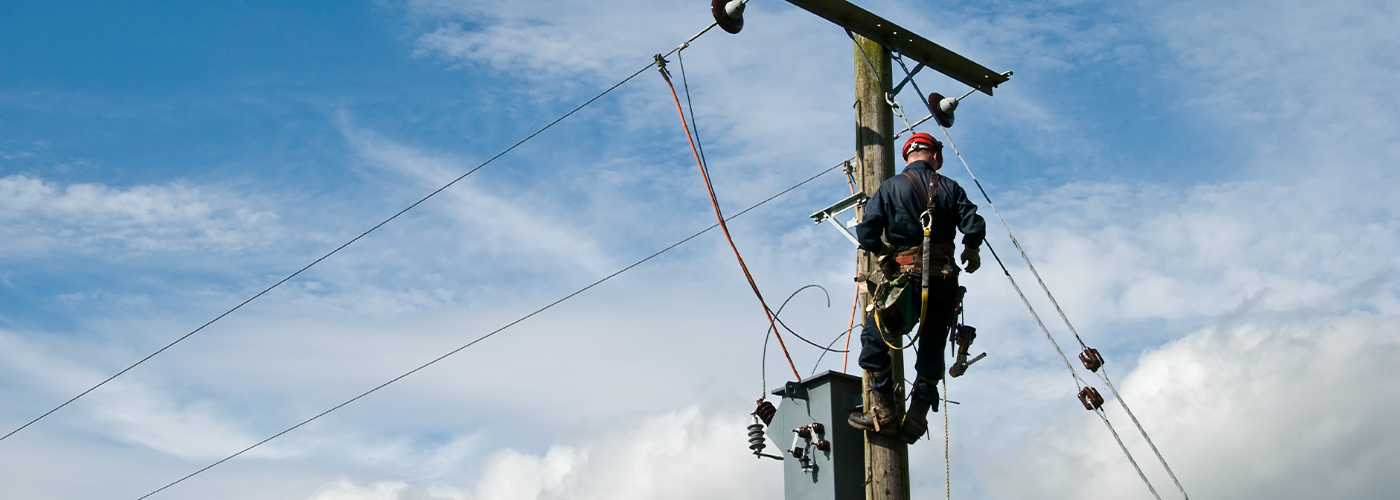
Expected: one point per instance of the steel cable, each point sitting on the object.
(1101, 373)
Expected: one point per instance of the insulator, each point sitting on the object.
(1091, 398)
(943, 108)
(729, 14)
(823, 445)
(1091, 359)
(756, 439)
(818, 428)
(765, 412)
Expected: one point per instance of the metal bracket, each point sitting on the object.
(830, 213)
(851, 17)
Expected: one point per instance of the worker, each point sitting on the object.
(892, 230)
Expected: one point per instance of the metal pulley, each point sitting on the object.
(729, 14)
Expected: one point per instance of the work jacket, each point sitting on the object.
(893, 213)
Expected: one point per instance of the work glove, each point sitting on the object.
(971, 261)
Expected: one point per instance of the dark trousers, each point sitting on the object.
(875, 355)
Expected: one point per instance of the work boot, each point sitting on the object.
(915, 421)
(878, 416)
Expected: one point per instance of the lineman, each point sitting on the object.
(892, 230)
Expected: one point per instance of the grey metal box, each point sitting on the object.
(835, 474)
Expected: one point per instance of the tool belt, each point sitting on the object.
(907, 261)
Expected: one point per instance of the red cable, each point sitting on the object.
(715, 203)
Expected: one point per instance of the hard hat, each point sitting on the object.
(919, 141)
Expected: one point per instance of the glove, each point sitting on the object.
(971, 261)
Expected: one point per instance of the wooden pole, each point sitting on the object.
(887, 467)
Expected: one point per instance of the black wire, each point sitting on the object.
(332, 252)
(813, 344)
(680, 60)
(488, 335)
(700, 147)
(763, 361)
(833, 342)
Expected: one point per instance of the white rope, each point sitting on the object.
(947, 466)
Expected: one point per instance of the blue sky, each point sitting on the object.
(1207, 187)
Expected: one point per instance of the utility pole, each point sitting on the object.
(886, 457)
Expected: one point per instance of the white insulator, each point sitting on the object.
(948, 105)
(734, 9)
(756, 440)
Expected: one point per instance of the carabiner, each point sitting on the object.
(926, 220)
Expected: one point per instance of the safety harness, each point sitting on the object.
(894, 288)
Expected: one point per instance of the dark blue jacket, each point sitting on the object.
(893, 212)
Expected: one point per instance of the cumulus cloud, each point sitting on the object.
(1249, 408)
(686, 454)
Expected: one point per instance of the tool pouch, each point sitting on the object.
(894, 299)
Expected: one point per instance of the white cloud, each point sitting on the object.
(681, 455)
(44, 216)
(127, 409)
(1250, 408)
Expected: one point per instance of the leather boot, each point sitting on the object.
(915, 421)
(879, 416)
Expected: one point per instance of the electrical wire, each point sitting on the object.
(1101, 372)
(719, 216)
(357, 238)
(328, 254)
(488, 335)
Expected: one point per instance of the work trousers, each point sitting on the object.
(875, 354)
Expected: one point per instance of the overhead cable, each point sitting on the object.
(1079, 382)
(1101, 372)
(660, 62)
(489, 335)
(352, 240)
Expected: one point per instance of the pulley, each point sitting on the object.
(729, 14)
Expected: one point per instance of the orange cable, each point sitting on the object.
(715, 203)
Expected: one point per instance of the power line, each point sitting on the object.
(352, 240)
(492, 333)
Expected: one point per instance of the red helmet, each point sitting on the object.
(924, 140)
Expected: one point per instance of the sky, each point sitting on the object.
(1205, 186)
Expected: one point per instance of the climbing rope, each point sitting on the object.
(660, 62)
(947, 465)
